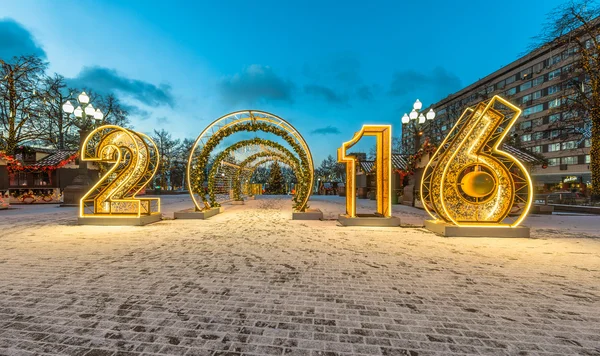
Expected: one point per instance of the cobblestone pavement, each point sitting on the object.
(251, 281)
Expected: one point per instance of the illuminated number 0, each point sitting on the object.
(383, 165)
(135, 160)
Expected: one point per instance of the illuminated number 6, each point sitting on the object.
(383, 165)
(135, 161)
(469, 181)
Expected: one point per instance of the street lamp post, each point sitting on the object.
(85, 118)
(416, 121)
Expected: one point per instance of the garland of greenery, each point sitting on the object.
(198, 169)
(225, 153)
(290, 160)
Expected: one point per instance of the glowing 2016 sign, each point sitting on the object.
(135, 160)
(469, 181)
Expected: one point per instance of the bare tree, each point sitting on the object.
(20, 100)
(167, 149)
(575, 27)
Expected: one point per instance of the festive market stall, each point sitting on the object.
(36, 175)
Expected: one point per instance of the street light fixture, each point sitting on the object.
(416, 119)
(86, 117)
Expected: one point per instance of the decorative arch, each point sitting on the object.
(222, 155)
(249, 121)
(271, 156)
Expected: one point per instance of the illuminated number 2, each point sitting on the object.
(135, 160)
(469, 181)
(383, 165)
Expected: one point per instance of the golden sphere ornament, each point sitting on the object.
(477, 184)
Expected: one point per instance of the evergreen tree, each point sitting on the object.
(276, 184)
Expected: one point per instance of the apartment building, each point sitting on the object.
(537, 83)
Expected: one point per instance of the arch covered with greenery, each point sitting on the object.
(248, 121)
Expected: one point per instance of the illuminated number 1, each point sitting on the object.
(135, 160)
(383, 165)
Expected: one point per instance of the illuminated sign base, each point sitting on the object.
(119, 221)
(201, 215)
(368, 220)
(309, 214)
(451, 230)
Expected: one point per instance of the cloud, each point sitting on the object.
(133, 110)
(325, 93)
(162, 120)
(365, 93)
(439, 81)
(16, 40)
(327, 130)
(255, 83)
(105, 80)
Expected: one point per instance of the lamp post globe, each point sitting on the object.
(86, 117)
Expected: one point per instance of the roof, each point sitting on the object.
(399, 161)
(366, 166)
(55, 158)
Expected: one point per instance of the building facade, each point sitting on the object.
(538, 83)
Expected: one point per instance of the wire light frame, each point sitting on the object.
(469, 181)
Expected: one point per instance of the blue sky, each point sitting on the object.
(325, 66)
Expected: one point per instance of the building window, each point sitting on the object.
(526, 138)
(539, 80)
(526, 73)
(587, 143)
(569, 160)
(553, 89)
(537, 122)
(533, 109)
(511, 91)
(41, 179)
(554, 74)
(554, 117)
(510, 79)
(587, 159)
(569, 145)
(554, 103)
(555, 59)
(536, 95)
(525, 86)
(537, 136)
(535, 149)
(525, 125)
(553, 161)
(569, 114)
(18, 179)
(554, 133)
(553, 147)
(526, 98)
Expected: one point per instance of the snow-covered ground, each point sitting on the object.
(253, 281)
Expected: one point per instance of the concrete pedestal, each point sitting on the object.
(237, 202)
(191, 214)
(449, 230)
(309, 214)
(119, 221)
(369, 220)
(542, 209)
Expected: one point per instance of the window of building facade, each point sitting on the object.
(18, 179)
(526, 98)
(553, 89)
(525, 86)
(533, 109)
(554, 133)
(539, 80)
(569, 145)
(536, 95)
(537, 135)
(553, 161)
(587, 143)
(554, 117)
(41, 179)
(537, 122)
(535, 149)
(526, 73)
(554, 74)
(538, 67)
(587, 159)
(555, 59)
(509, 80)
(525, 125)
(569, 160)
(526, 138)
(553, 147)
(511, 91)
(554, 103)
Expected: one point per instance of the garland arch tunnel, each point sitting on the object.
(234, 145)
